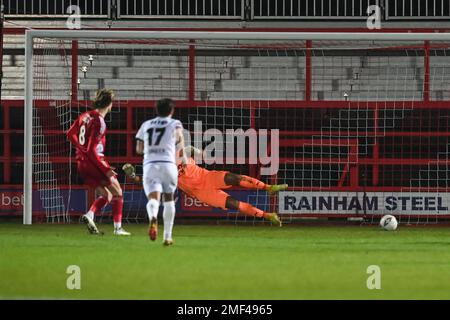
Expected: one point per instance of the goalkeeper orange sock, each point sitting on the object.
(252, 183)
(98, 205)
(117, 206)
(249, 210)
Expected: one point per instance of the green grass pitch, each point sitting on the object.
(225, 262)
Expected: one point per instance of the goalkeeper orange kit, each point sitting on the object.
(207, 186)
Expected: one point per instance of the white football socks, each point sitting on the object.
(169, 216)
(90, 214)
(152, 209)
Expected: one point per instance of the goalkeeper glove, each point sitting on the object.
(191, 151)
(129, 170)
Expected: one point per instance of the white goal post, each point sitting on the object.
(31, 35)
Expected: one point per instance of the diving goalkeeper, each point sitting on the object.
(208, 187)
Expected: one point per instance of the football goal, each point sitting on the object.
(357, 124)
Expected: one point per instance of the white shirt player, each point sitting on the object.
(159, 137)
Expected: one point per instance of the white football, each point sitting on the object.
(388, 222)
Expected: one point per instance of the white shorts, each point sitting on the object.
(160, 177)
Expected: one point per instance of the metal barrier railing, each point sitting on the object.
(219, 9)
(311, 9)
(55, 8)
(230, 9)
(128, 9)
(417, 9)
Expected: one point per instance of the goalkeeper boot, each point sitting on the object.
(90, 224)
(121, 232)
(274, 218)
(153, 229)
(168, 242)
(276, 188)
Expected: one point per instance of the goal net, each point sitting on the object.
(357, 126)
